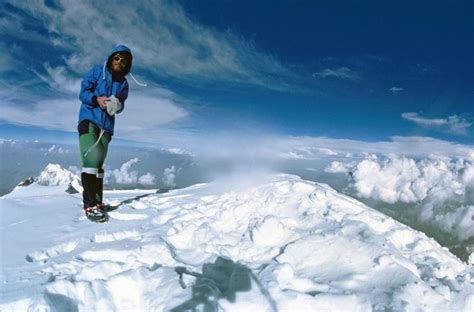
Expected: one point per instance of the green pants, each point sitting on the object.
(93, 149)
(92, 154)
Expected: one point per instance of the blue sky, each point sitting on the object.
(362, 70)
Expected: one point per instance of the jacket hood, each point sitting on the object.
(125, 50)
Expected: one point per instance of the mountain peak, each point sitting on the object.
(55, 175)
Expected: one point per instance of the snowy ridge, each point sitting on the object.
(281, 243)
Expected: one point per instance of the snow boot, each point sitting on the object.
(99, 191)
(96, 214)
(89, 193)
(99, 188)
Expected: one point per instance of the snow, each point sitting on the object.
(275, 242)
(55, 175)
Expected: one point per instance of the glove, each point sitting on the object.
(113, 105)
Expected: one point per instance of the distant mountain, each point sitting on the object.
(53, 175)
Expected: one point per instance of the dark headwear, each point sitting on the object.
(125, 51)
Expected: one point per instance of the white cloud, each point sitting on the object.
(58, 114)
(143, 113)
(169, 176)
(417, 147)
(307, 152)
(337, 167)
(177, 151)
(460, 222)
(340, 73)
(147, 179)
(437, 187)
(7, 61)
(453, 124)
(327, 151)
(468, 176)
(125, 175)
(395, 89)
(58, 79)
(56, 150)
(165, 41)
(403, 179)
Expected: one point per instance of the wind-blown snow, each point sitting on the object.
(280, 243)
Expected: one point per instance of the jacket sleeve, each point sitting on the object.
(123, 97)
(88, 85)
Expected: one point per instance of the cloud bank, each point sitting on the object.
(309, 148)
(439, 187)
(124, 175)
(406, 180)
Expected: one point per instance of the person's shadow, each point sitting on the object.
(221, 279)
(108, 208)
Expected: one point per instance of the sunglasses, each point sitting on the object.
(120, 58)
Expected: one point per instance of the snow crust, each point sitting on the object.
(276, 243)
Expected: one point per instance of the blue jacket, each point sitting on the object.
(98, 82)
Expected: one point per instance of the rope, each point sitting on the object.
(95, 144)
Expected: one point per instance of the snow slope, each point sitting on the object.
(275, 243)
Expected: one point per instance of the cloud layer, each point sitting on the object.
(164, 40)
(144, 112)
(452, 124)
(339, 73)
(403, 179)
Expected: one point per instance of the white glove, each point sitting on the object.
(113, 105)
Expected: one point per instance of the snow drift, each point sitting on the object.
(277, 243)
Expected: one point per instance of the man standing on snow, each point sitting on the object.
(104, 90)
